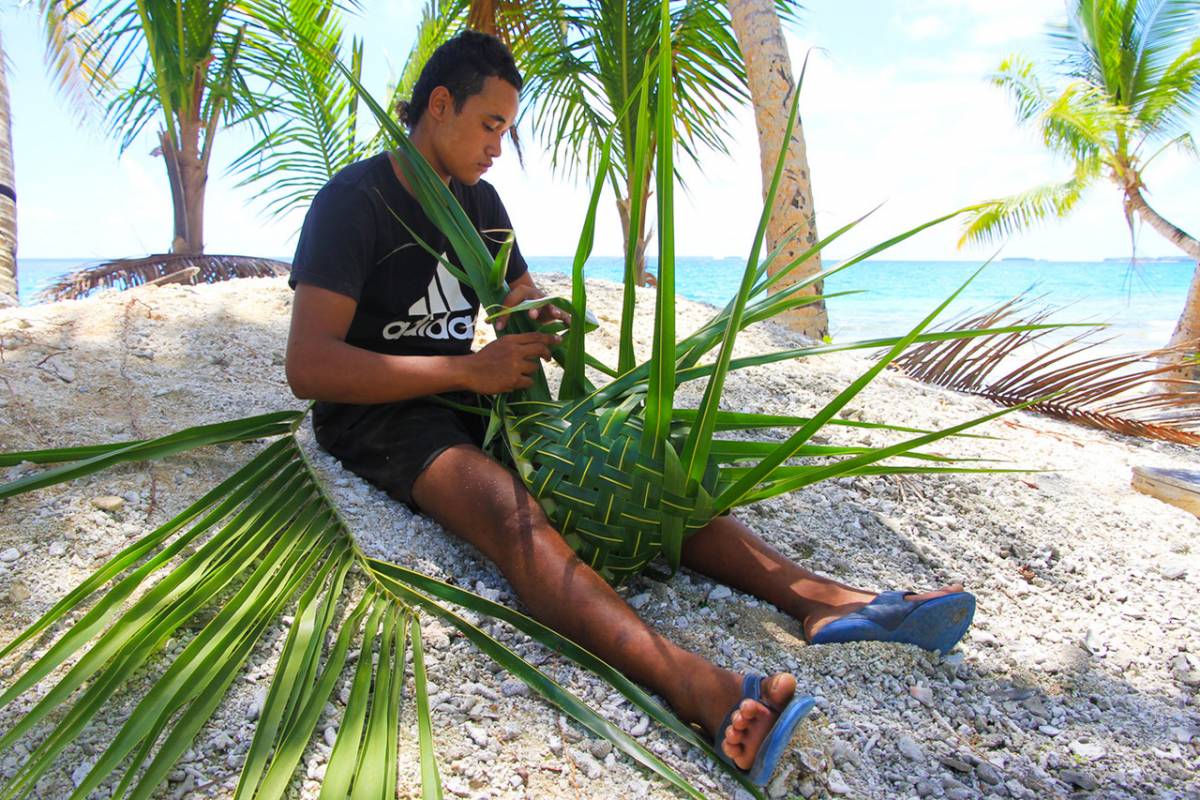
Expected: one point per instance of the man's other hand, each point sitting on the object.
(507, 363)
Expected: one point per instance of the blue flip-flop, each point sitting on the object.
(934, 624)
(773, 744)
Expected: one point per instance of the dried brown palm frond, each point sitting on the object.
(1133, 394)
(126, 273)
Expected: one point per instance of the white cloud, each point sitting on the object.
(930, 26)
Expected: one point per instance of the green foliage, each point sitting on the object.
(1128, 80)
(174, 61)
(307, 115)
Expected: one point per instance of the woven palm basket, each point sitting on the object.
(608, 498)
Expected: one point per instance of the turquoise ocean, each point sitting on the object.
(1140, 301)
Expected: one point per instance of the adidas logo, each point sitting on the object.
(439, 313)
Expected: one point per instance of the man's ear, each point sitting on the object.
(441, 103)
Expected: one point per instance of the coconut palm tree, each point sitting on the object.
(8, 195)
(759, 32)
(624, 473)
(1125, 89)
(174, 64)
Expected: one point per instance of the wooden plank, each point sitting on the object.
(1179, 487)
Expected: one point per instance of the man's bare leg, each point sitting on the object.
(729, 552)
(480, 501)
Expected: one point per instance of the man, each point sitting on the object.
(378, 325)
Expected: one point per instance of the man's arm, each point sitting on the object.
(320, 364)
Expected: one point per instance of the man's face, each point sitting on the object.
(468, 141)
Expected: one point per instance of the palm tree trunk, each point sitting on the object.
(8, 197)
(188, 177)
(1187, 329)
(769, 75)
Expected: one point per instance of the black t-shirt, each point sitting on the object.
(408, 304)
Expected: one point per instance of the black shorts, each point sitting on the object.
(390, 445)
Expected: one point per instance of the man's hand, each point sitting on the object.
(506, 364)
(523, 289)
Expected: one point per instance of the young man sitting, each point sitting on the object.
(378, 326)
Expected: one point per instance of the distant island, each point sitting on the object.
(1153, 259)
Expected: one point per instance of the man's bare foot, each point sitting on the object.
(752, 720)
(854, 601)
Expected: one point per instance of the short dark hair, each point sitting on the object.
(461, 64)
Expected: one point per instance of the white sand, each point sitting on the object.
(1082, 669)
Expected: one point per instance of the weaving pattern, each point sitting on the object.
(609, 500)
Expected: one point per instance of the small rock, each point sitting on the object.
(843, 753)
(10, 555)
(922, 694)
(720, 593)
(959, 794)
(1172, 572)
(330, 735)
(80, 773)
(925, 788)
(956, 764)
(1181, 735)
(510, 731)
(837, 783)
(639, 600)
(600, 748)
(806, 789)
(987, 773)
(57, 549)
(1087, 750)
(477, 735)
(254, 709)
(909, 748)
(18, 592)
(641, 726)
(587, 765)
(1080, 779)
(514, 687)
(953, 662)
(108, 502)
(1049, 730)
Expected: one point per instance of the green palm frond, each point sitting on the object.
(1001, 218)
(1176, 97)
(308, 115)
(1075, 122)
(265, 540)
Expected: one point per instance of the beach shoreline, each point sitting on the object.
(1082, 671)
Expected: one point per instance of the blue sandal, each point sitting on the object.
(934, 624)
(773, 744)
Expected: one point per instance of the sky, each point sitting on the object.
(896, 111)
